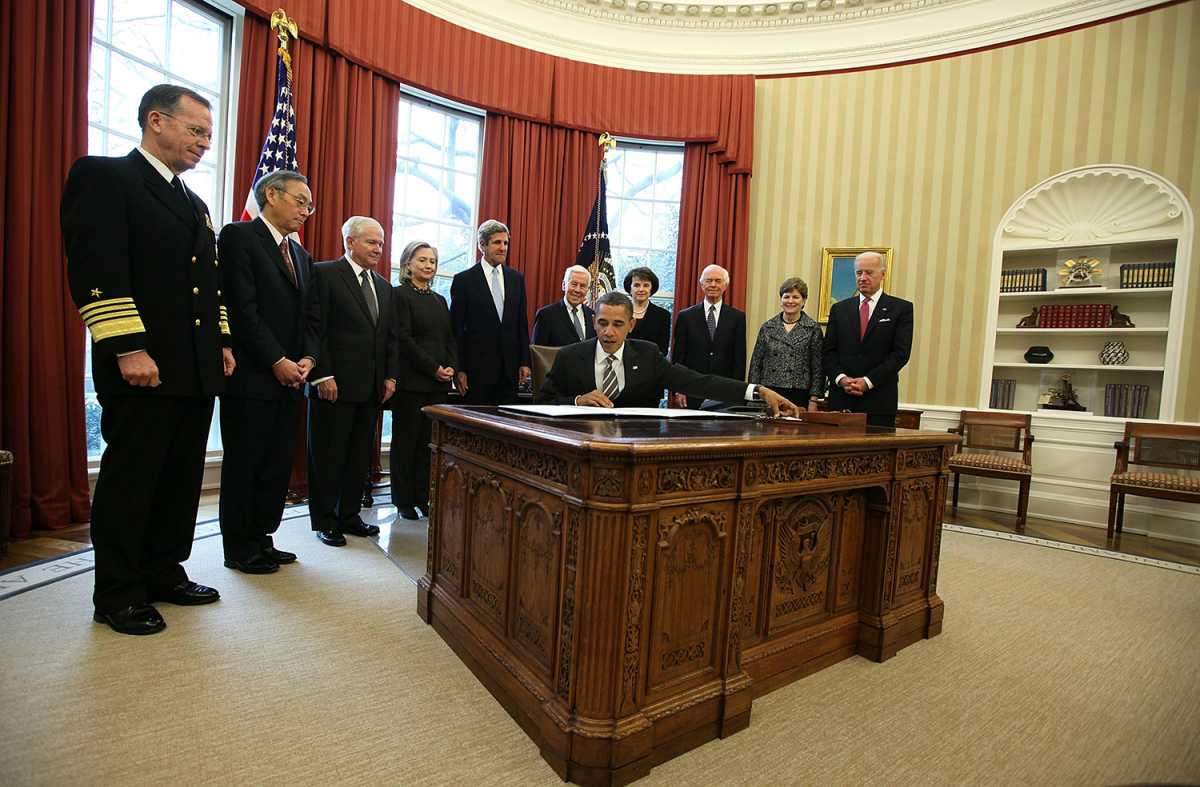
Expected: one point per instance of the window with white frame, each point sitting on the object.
(645, 184)
(438, 156)
(137, 44)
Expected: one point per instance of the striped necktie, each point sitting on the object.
(611, 387)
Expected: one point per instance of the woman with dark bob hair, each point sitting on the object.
(653, 322)
(787, 352)
(427, 365)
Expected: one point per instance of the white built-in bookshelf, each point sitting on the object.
(1118, 216)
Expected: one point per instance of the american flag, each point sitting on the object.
(595, 251)
(279, 148)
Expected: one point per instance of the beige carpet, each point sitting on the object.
(1053, 668)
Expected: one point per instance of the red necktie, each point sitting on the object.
(287, 261)
(864, 316)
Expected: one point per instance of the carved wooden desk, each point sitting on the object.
(626, 588)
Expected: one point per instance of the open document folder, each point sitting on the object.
(570, 410)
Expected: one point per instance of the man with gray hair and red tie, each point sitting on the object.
(867, 343)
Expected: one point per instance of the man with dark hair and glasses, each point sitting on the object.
(143, 271)
(267, 276)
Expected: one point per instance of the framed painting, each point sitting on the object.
(837, 275)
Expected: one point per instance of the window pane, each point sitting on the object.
(128, 81)
(139, 27)
(437, 179)
(196, 51)
(97, 80)
(644, 187)
(100, 20)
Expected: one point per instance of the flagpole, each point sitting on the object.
(607, 142)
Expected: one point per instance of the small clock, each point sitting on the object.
(1079, 272)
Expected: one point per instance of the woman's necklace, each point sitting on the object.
(786, 321)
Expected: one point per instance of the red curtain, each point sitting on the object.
(346, 126)
(44, 51)
(713, 224)
(541, 181)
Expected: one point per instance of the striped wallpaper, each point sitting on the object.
(926, 158)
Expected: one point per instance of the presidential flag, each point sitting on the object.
(279, 148)
(595, 253)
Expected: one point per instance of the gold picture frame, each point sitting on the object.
(837, 275)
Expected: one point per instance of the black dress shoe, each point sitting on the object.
(408, 512)
(359, 528)
(188, 594)
(331, 537)
(258, 564)
(135, 619)
(279, 556)
(422, 509)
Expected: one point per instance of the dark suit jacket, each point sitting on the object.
(879, 355)
(655, 326)
(647, 372)
(552, 325)
(144, 274)
(489, 350)
(358, 354)
(424, 337)
(724, 354)
(266, 309)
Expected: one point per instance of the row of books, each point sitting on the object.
(1075, 315)
(1125, 400)
(1004, 391)
(1147, 274)
(1023, 280)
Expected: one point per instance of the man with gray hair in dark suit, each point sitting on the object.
(490, 323)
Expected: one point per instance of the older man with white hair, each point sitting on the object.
(710, 337)
(867, 343)
(569, 320)
(350, 315)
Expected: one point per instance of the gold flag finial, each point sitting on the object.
(608, 142)
(284, 27)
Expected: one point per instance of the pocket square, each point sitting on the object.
(886, 319)
(635, 368)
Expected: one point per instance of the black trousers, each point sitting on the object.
(411, 433)
(147, 493)
(339, 456)
(502, 391)
(259, 436)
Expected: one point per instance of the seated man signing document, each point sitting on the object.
(610, 371)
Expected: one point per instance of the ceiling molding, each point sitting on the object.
(751, 38)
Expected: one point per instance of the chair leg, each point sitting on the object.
(1022, 505)
(954, 506)
(1112, 513)
(1120, 511)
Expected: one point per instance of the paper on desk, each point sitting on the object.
(569, 410)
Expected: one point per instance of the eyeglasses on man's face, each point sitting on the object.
(301, 202)
(196, 131)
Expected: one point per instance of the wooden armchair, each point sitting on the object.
(1154, 446)
(1008, 433)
